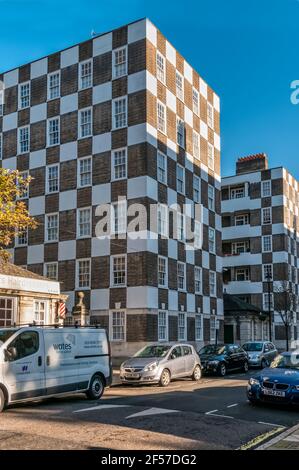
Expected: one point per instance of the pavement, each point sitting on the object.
(210, 414)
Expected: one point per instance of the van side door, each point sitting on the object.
(92, 355)
(24, 366)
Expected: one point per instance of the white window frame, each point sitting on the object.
(47, 228)
(268, 192)
(55, 165)
(266, 220)
(195, 107)
(47, 265)
(179, 88)
(24, 174)
(197, 235)
(123, 64)
(212, 240)
(242, 272)
(237, 192)
(49, 121)
(50, 89)
(242, 217)
(265, 266)
(22, 239)
(163, 210)
(199, 316)
(180, 183)
(80, 125)
(165, 260)
(112, 258)
(1, 103)
(89, 76)
(164, 325)
(213, 274)
(196, 145)
(160, 169)
(161, 71)
(181, 289)
(263, 243)
(79, 174)
(22, 85)
(211, 197)
(115, 154)
(212, 328)
(125, 122)
(20, 150)
(122, 325)
(12, 310)
(119, 208)
(210, 115)
(181, 226)
(35, 310)
(78, 261)
(161, 117)
(211, 157)
(184, 336)
(266, 303)
(198, 269)
(196, 190)
(79, 233)
(180, 136)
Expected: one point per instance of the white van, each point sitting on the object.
(39, 362)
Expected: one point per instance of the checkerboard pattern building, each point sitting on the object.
(260, 209)
(122, 115)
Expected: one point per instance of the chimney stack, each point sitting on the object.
(256, 162)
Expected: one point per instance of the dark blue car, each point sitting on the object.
(278, 383)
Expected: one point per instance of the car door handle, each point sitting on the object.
(39, 360)
(48, 360)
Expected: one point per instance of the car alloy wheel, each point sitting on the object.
(196, 373)
(96, 388)
(222, 370)
(2, 400)
(263, 363)
(165, 378)
(245, 367)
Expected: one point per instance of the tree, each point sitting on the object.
(14, 216)
(286, 302)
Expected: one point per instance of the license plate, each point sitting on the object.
(274, 393)
(132, 376)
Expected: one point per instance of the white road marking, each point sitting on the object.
(272, 424)
(231, 406)
(294, 438)
(221, 416)
(210, 412)
(101, 407)
(152, 411)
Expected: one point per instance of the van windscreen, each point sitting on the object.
(5, 335)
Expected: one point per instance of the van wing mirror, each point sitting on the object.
(10, 353)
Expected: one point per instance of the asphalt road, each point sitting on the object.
(211, 414)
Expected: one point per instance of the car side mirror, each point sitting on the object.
(172, 356)
(10, 353)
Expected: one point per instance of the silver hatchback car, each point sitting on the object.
(260, 353)
(160, 363)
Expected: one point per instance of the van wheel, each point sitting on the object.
(165, 378)
(196, 373)
(96, 388)
(2, 400)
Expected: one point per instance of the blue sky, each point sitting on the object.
(246, 50)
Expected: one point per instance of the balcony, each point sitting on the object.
(240, 231)
(243, 287)
(240, 204)
(242, 259)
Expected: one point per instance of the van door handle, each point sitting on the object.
(48, 360)
(39, 360)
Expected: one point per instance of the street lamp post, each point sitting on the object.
(269, 279)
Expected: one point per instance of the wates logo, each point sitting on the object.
(24, 368)
(62, 347)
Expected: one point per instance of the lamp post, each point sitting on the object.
(269, 279)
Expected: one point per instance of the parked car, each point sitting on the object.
(223, 357)
(260, 353)
(278, 383)
(37, 362)
(160, 363)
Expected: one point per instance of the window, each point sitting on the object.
(118, 325)
(51, 271)
(162, 167)
(1, 102)
(210, 113)
(242, 274)
(266, 304)
(161, 117)
(24, 138)
(196, 188)
(240, 247)
(236, 193)
(22, 238)
(39, 313)
(211, 240)
(266, 215)
(162, 326)
(84, 222)
(83, 273)
(85, 69)
(51, 228)
(85, 126)
(195, 101)
(196, 148)
(180, 179)
(1, 146)
(211, 197)
(119, 162)
(267, 272)
(26, 343)
(6, 311)
(53, 85)
(53, 179)
(182, 326)
(198, 327)
(119, 113)
(212, 282)
(197, 235)
(180, 226)
(180, 132)
(242, 219)
(120, 62)
(212, 328)
(162, 220)
(162, 271)
(197, 280)
(24, 190)
(118, 277)
(179, 81)
(160, 67)
(53, 132)
(24, 95)
(181, 276)
(119, 217)
(266, 188)
(84, 172)
(210, 156)
(267, 243)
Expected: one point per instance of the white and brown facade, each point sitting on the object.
(260, 208)
(122, 115)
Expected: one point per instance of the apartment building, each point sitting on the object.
(260, 245)
(121, 119)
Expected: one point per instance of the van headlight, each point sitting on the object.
(151, 367)
(213, 363)
(253, 381)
